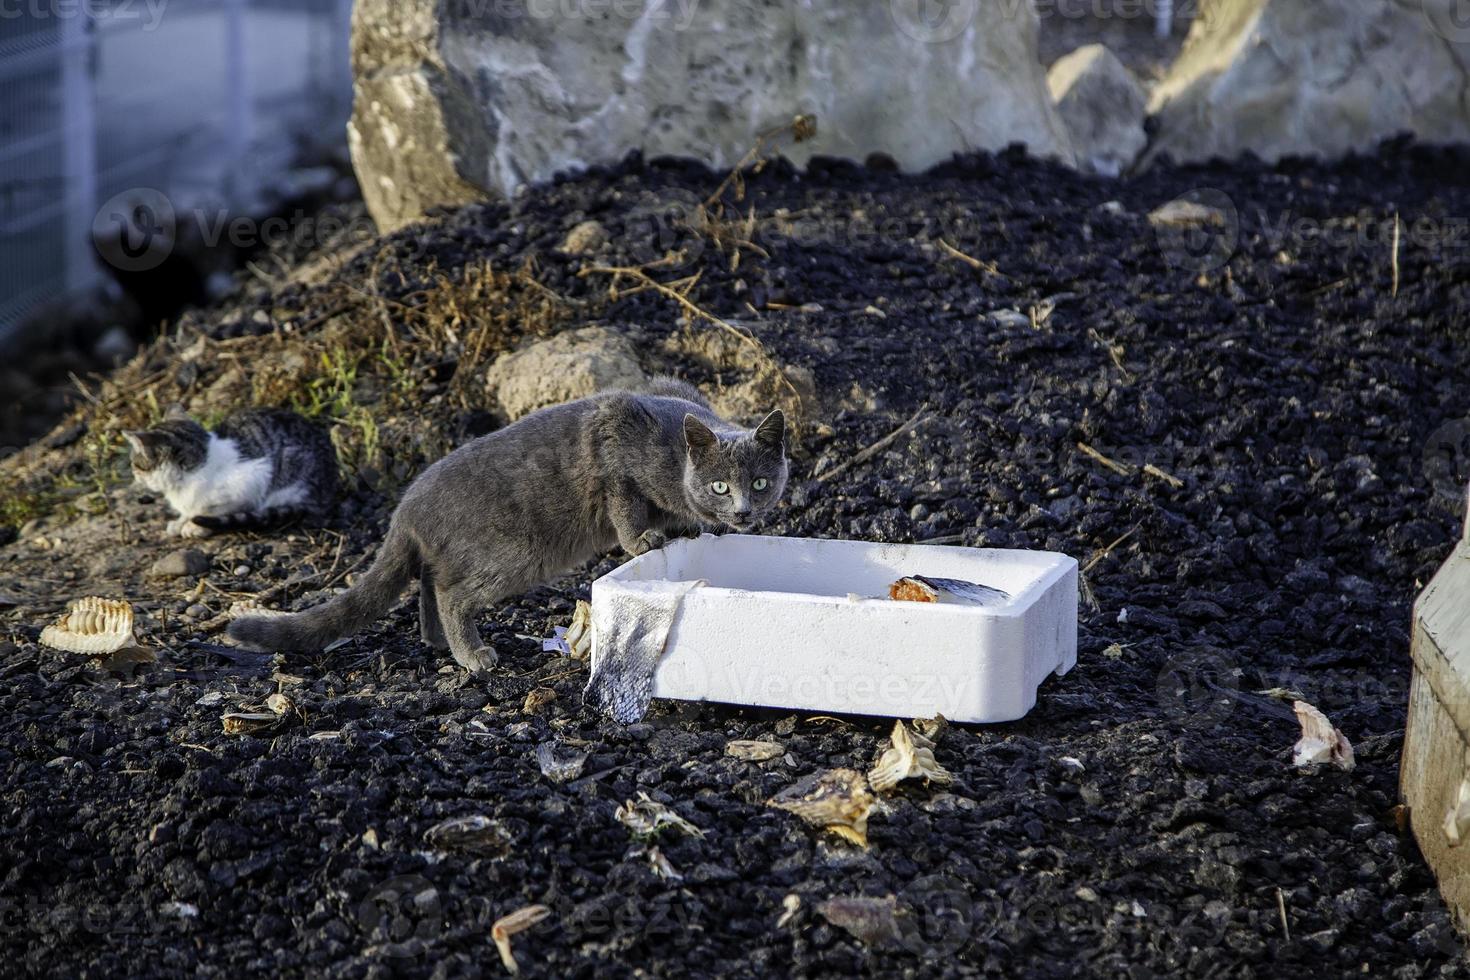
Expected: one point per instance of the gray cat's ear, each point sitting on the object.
(772, 430)
(697, 436)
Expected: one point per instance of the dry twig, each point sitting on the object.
(914, 421)
(1122, 469)
(1168, 478)
(680, 296)
(971, 261)
(1395, 256)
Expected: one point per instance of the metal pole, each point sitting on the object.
(239, 117)
(79, 148)
(342, 52)
(1163, 18)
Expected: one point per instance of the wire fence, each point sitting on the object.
(201, 100)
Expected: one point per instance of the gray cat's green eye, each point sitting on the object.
(720, 487)
(760, 484)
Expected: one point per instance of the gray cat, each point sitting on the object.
(521, 505)
(257, 468)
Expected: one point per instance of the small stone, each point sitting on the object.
(538, 700)
(178, 564)
(584, 238)
(198, 611)
(242, 570)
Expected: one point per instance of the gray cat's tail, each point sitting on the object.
(342, 616)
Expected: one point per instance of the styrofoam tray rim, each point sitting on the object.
(1015, 607)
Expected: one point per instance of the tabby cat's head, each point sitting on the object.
(735, 478)
(164, 454)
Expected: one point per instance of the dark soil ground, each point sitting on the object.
(1144, 820)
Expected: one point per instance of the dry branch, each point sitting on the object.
(1122, 469)
(914, 421)
(971, 261)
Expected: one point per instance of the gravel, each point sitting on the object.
(1300, 423)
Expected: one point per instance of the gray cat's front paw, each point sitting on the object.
(480, 660)
(650, 540)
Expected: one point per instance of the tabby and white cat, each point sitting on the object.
(257, 468)
(521, 505)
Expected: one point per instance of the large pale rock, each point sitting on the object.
(416, 135)
(570, 365)
(1103, 107)
(1313, 77)
(458, 100)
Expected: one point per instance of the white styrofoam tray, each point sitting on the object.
(777, 625)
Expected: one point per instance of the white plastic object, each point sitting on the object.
(807, 624)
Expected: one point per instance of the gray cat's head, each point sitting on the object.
(735, 478)
(164, 454)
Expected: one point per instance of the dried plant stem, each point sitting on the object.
(799, 127)
(1122, 469)
(680, 296)
(1168, 478)
(914, 421)
(1395, 255)
(971, 261)
(1100, 555)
